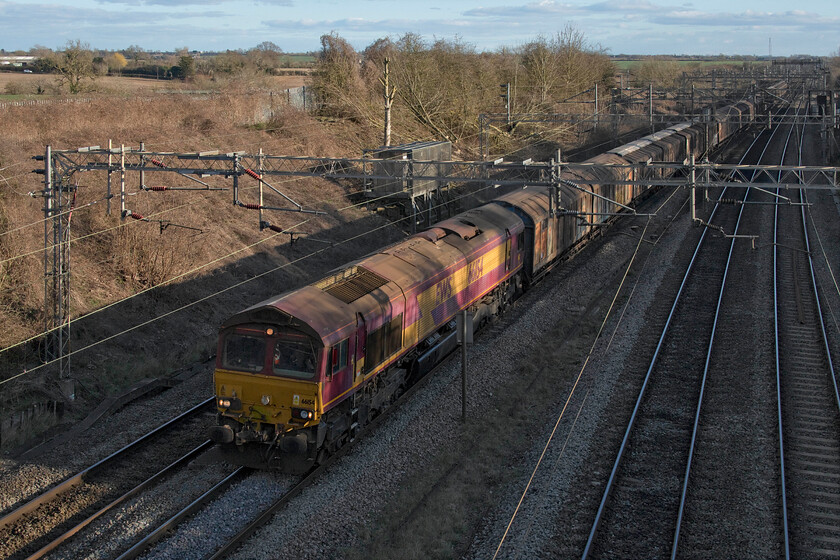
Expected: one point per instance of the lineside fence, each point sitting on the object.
(16, 428)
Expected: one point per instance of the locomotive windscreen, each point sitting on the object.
(294, 356)
(244, 353)
(286, 353)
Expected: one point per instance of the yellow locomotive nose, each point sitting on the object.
(262, 399)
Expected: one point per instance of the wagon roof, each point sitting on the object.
(681, 126)
(533, 201)
(630, 147)
(600, 174)
(661, 134)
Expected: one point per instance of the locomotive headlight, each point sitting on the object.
(265, 399)
(224, 403)
(302, 414)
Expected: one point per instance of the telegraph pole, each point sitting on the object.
(464, 328)
(595, 110)
(388, 93)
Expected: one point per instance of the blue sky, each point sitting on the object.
(620, 26)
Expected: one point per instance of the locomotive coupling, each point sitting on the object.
(296, 444)
(221, 434)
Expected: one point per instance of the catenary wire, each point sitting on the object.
(572, 391)
(186, 306)
(586, 362)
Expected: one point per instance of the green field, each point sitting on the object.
(630, 64)
(298, 59)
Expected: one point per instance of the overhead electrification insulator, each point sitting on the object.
(137, 216)
(278, 229)
(157, 189)
(250, 206)
(157, 162)
(253, 174)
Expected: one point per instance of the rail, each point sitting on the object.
(131, 493)
(46, 497)
(808, 404)
(612, 481)
(696, 426)
(267, 514)
(193, 507)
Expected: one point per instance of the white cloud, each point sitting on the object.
(642, 26)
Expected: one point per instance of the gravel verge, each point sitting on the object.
(558, 508)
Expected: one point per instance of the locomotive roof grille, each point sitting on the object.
(352, 283)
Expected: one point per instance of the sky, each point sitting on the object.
(710, 27)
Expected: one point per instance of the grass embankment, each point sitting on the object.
(17, 85)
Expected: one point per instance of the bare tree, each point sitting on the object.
(660, 71)
(581, 65)
(230, 62)
(136, 54)
(388, 92)
(74, 65)
(542, 67)
(562, 66)
(40, 51)
(338, 82)
(443, 86)
(266, 56)
(834, 68)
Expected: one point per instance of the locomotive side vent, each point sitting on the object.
(352, 283)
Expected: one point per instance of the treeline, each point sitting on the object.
(77, 65)
(441, 86)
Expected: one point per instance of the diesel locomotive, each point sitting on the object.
(298, 375)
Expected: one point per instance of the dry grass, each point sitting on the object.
(27, 84)
(112, 260)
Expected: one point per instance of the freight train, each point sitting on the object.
(299, 375)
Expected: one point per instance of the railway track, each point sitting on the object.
(243, 476)
(808, 397)
(154, 479)
(47, 520)
(730, 479)
(213, 546)
(194, 506)
(642, 505)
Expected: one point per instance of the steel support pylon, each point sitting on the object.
(57, 205)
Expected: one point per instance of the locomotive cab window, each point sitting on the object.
(244, 353)
(338, 357)
(294, 356)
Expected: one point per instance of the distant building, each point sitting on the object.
(17, 61)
